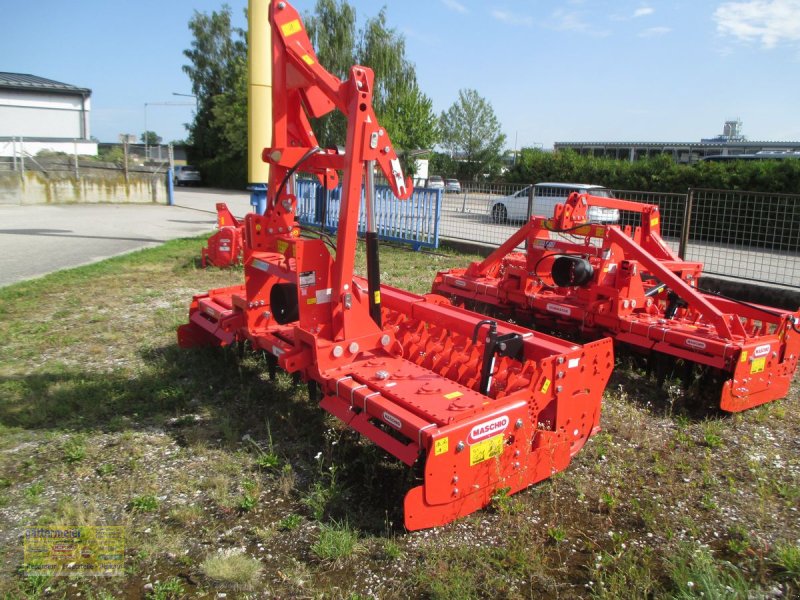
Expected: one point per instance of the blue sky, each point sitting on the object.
(568, 70)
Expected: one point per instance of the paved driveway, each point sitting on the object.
(39, 239)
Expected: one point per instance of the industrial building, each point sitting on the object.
(730, 142)
(41, 114)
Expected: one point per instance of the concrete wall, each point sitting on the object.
(92, 185)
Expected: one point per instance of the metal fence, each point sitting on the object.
(414, 221)
(745, 235)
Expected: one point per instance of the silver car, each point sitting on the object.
(545, 198)
(187, 175)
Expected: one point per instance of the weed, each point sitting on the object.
(558, 534)
(786, 558)
(336, 542)
(171, 589)
(34, 490)
(286, 480)
(247, 502)
(146, 503)
(290, 522)
(694, 573)
(392, 549)
(232, 568)
(105, 469)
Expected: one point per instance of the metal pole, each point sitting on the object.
(373, 264)
(145, 132)
(21, 155)
(687, 222)
(14, 152)
(75, 149)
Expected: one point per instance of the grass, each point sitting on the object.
(226, 481)
(232, 569)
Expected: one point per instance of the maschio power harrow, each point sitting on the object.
(225, 246)
(483, 405)
(605, 280)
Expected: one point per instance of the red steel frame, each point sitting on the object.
(635, 278)
(225, 246)
(414, 381)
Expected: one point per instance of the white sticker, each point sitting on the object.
(324, 296)
(762, 350)
(559, 309)
(392, 420)
(699, 345)
(308, 279)
(573, 362)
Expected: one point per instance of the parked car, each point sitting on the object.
(452, 186)
(187, 175)
(435, 182)
(545, 198)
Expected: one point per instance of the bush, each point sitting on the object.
(657, 174)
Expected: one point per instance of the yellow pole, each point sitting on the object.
(259, 96)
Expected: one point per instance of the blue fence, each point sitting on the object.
(414, 221)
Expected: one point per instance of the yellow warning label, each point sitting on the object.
(308, 60)
(744, 356)
(545, 386)
(282, 246)
(291, 27)
(758, 365)
(453, 395)
(311, 301)
(222, 221)
(377, 296)
(485, 450)
(653, 221)
(441, 446)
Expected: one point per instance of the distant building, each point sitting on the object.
(41, 114)
(730, 142)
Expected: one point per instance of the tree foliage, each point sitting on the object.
(332, 31)
(218, 71)
(217, 53)
(151, 138)
(471, 133)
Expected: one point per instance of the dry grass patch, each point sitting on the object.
(232, 568)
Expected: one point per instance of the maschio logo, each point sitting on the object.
(761, 350)
(488, 429)
(695, 344)
(559, 309)
(392, 420)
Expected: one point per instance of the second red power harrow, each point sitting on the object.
(625, 282)
(481, 404)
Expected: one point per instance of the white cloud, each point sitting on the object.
(455, 6)
(643, 12)
(654, 32)
(569, 21)
(511, 18)
(769, 22)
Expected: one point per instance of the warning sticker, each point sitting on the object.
(453, 395)
(545, 386)
(441, 446)
(291, 27)
(757, 366)
(485, 450)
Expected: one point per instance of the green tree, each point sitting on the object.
(216, 55)
(402, 108)
(332, 31)
(471, 133)
(150, 137)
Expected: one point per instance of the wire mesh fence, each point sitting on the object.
(745, 235)
(748, 235)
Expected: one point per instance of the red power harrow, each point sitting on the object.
(606, 280)
(225, 246)
(483, 405)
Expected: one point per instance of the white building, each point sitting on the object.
(41, 114)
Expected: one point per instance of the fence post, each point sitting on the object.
(687, 223)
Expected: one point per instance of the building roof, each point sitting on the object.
(22, 81)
